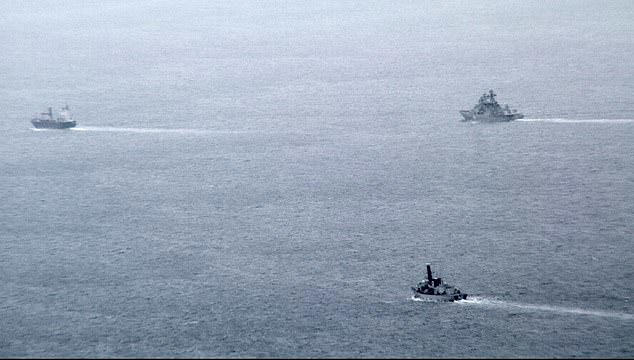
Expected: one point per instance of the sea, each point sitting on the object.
(269, 179)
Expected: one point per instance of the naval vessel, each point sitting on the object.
(488, 110)
(433, 289)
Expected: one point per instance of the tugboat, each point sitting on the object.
(433, 289)
(488, 110)
(45, 120)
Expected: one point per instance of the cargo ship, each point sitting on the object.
(46, 120)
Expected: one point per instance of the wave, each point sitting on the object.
(556, 309)
(579, 121)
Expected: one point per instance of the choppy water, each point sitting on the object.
(269, 180)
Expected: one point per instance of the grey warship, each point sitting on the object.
(433, 289)
(46, 120)
(488, 110)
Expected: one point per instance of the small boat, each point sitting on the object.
(46, 120)
(433, 289)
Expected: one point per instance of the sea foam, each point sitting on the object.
(536, 307)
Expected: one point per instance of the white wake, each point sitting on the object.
(141, 130)
(556, 309)
(579, 121)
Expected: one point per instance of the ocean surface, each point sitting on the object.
(268, 179)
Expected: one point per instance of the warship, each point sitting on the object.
(45, 120)
(433, 289)
(488, 110)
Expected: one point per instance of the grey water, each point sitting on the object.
(268, 179)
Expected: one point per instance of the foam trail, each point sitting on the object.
(580, 121)
(557, 309)
(140, 130)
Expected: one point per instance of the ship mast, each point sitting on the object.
(492, 95)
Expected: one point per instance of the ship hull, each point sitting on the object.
(439, 298)
(470, 116)
(44, 124)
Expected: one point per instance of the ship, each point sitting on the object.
(46, 120)
(433, 289)
(488, 110)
